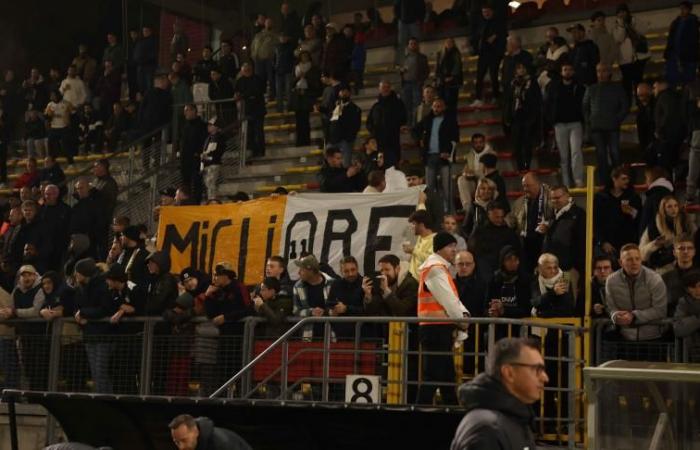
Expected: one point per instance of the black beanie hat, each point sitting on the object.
(86, 267)
(132, 233)
(442, 239)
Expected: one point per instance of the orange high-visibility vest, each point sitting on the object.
(428, 306)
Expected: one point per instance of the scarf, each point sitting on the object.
(520, 87)
(558, 214)
(540, 210)
(548, 283)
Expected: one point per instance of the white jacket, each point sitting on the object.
(74, 91)
(438, 282)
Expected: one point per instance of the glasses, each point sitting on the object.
(538, 368)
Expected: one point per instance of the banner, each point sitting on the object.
(331, 226)
(244, 234)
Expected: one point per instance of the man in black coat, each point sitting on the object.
(87, 216)
(94, 303)
(345, 122)
(33, 231)
(55, 215)
(193, 134)
(499, 415)
(145, 56)
(189, 433)
(220, 88)
(438, 135)
(645, 120)
(490, 46)
(617, 212)
(384, 122)
(155, 111)
(487, 241)
(471, 289)
(335, 178)
(669, 130)
(565, 237)
(161, 290)
(584, 54)
(682, 46)
(251, 89)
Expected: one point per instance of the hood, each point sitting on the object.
(661, 182)
(206, 429)
(485, 392)
(162, 259)
(505, 251)
(435, 259)
(81, 243)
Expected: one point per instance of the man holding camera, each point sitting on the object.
(393, 292)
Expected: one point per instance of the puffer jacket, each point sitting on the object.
(161, 290)
(646, 299)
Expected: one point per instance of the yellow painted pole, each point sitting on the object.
(588, 336)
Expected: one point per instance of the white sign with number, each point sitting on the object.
(362, 388)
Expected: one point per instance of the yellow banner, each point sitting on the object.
(244, 234)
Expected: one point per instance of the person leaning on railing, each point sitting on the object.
(274, 305)
(636, 295)
(686, 320)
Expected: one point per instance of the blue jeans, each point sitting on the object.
(98, 354)
(434, 167)
(284, 90)
(607, 144)
(406, 31)
(411, 96)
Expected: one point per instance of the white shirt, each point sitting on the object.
(60, 117)
(74, 91)
(439, 284)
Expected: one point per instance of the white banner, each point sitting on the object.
(331, 226)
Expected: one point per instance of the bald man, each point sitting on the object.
(645, 118)
(471, 289)
(529, 212)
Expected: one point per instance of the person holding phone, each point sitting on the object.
(656, 244)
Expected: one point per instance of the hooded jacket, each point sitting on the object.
(161, 291)
(487, 242)
(215, 438)
(512, 289)
(94, 302)
(495, 419)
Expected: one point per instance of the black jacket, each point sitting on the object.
(508, 67)
(513, 290)
(385, 120)
(213, 150)
(220, 90)
(688, 51)
(550, 304)
(146, 51)
(668, 116)
(564, 104)
(348, 124)
(161, 290)
(472, 294)
(585, 56)
(610, 224)
(88, 217)
(566, 239)
(449, 64)
(202, 70)
(487, 28)
(527, 111)
(215, 438)
(645, 124)
(252, 92)
(37, 233)
(194, 133)
(283, 58)
(448, 134)
(156, 109)
(94, 302)
(335, 180)
(495, 419)
(487, 242)
(233, 303)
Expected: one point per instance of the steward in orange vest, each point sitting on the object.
(438, 298)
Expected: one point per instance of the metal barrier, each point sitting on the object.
(610, 346)
(290, 368)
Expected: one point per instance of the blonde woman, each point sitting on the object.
(475, 216)
(656, 244)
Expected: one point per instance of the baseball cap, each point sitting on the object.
(308, 262)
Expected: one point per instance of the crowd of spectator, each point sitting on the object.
(520, 260)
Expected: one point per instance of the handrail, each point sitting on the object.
(385, 319)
